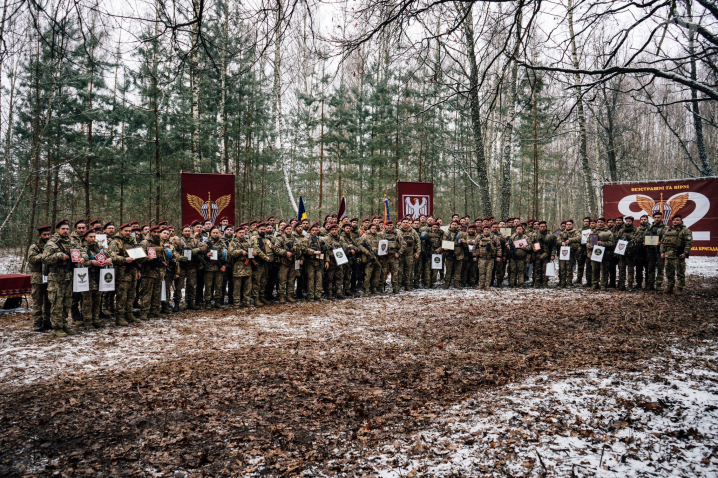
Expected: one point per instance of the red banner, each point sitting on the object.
(696, 200)
(414, 199)
(207, 197)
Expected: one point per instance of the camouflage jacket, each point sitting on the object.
(456, 237)
(118, 249)
(521, 252)
(191, 244)
(411, 240)
(573, 237)
(352, 243)
(214, 245)
(504, 241)
(547, 243)
(655, 229)
(34, 261)
(676, 240)
(396, 242)
(488, 246)
(605, 236)
(471, 241)
(237, 249)
(312, 244)
(369, 246)
(89, 253)
(431, 241)
(332, 242)
(288, 244)
(59, 269)
(153, 267)
(76, 240)
(262, 252)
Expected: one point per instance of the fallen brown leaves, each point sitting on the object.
(280, 409)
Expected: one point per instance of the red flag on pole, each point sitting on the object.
(207, 197)
(342, 209)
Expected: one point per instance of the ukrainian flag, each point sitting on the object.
(386, 209)
(302, 213)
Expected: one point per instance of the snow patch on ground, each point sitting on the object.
(587, 423)
(702, 266)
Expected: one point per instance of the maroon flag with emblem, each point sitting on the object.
(414, 199)
(207, 197)
(696, 200)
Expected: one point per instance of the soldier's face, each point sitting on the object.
(154, 234)
(543, 228)
(80, 229)
(644, 220)
(592, 224)
(563, 227)
(314, 231)
(145, 230)
(389, 227)
(405, 225)
(164, 235)
(110, 230)
(519, 229)
(241, 232)
(90, 238)
(186, 232)
(207, 225)
(435, 227)
(677, 221)
(629, 222)
(495, 228)
(600, 223)
(335, 232)
(347, 230)
(585, 222)
(657, 217)
(64, 231)
(224, 222)
(197, 229)
(416, 224)
(126, 232)
(569, 226)
(45, 235)
(214, 234)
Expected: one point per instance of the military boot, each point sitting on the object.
(120, 321)
(668, 290)
(282, 300)
(175, 307)
(143, 317)
(291, 299)
(88, 323)
(218, 304)
(341, 296)
(265, 301)
(207, 304)
(191, 306)
(59, 333)
(165, 308)
(679, 291)
(258, 303)
(69, 330)
(367, 292)
(96, 323)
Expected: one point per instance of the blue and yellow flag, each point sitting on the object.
(302, 213)
(386, 209)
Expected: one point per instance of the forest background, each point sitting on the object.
(511, 108)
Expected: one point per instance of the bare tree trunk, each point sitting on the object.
(223, 105)
(195, 80)
(536, 168)
(481, 168)
(583, 147)
(707, 169)
(321, 149)
(509, 130)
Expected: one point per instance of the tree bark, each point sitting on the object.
(509, 130)
(195, 80)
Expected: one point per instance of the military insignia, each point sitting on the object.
(437, 259)
(564, 253)
(340, 255)
(598, 252)
(82, 277)
(108, 277)
(667, 208)
(209, 209)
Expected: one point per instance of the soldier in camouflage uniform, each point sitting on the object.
(213, 275)
(570, 237)
(627, 261)
(488, 249)
(676, 247)
(287, 247)
(655, 264)
(187, 280)
(453, 260)
(500, 266)
(431, 244)
(92, 299)
(353, 256)
(56, 255)
(152, 275)
(334, 285)
(581, 258)
(518, 257)
(546, 244)
(126, 274)
(373, 272)
(242, 270)
(76, 241)
(600, 269)
(470, 272)
(263, 254)
(395, 249)
(314, 262)
(40, 300)
(411, 253)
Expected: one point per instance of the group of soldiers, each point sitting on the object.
(261, 262)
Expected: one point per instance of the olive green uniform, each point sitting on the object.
(676, 240)
(406, 259)
(125, 277)
(373, 271)
(546, 243)
(187, 279)
(655, 265)
(241, 271)
(390, 261)
(600, 269)
(59, 280)
(565, 267)
(517, 275)
(153, 271)
(431, 245)
(213, 275)
(334, 285)
(40, 298)
(453, 260)
(488, 249)
(314, 266)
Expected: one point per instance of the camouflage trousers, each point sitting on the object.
(187, 280)
(430, 275)
(373, 276)
(91, 302)
(150, 292)
(516, 274)
(335, 279)
(540, 279)
(583, 261)
(406, 266)
(675, 267)
(108, 301)
(126, 287)
(213, 285)
(242, 290)
(314, 279)
(599, 271)
(40, 306)
(453, 271)
(500, 272)
(565, 270)
(60, 295)
(631, 267)
(418, 270)
(391, 264)
(287, 276)
(470, 274)
(486, 269)
(654, 270)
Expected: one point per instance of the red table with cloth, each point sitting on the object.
(14, 285)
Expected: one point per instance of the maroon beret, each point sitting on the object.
(45, 228)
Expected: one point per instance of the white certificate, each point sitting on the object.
(584, 236)
(448, 245)
(101, 240)
(188, 254)
(213, 256)
(551, 269)
(383, 247)
(250, 253)
(340, 256)
(136, 253)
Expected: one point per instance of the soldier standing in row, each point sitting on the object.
(518, 257)
(40, 301)
(56, 256)
(544, 247)
(126, 274)
(412, 252)
(489, 251)
(600, 269)
(395, 250)
(373, 273)
(570, 237)
(431, 245)
(453, 258)
(675, 248)
(334, 286)
(215, 252)
(654, 262)
(314, 252)
(187, 249)
(242, 270)
(152, 275)
(92, 299)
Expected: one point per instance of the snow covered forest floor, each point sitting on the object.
(429, 383)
